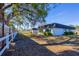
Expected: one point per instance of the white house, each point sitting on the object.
(57, 29)
(34, 31)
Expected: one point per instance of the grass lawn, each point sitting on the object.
(56, 48)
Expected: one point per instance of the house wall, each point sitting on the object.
(34, 31)
(44, 30)
(76, 32)
(57, 31)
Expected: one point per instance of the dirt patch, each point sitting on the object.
(60, 48)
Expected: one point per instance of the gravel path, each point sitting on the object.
(25, 46)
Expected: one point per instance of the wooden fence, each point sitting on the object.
(7, 41)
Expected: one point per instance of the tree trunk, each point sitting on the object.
(2, 20)
(3, 24)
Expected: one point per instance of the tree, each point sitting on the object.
(77, 27)
(35, 12)
(2, 19)
(32, 11)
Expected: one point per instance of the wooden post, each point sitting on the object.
(3, 43)
(3, 21)
(11, 35)
(3, 30)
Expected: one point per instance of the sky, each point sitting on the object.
(65, 13)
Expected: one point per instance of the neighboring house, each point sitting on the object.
(77, 31)
(57, 29)
(34, 31)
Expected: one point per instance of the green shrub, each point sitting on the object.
(68, 33)
(40, 30)
(47, 33)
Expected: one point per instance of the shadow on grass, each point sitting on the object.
(69, 53)
(67, 42)
(61, 43)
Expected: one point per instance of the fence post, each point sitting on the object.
(12, 35)
(7, 41)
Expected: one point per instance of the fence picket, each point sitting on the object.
(7, 41)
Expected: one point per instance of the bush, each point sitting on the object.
(47, 33)
(68, 33)
(40, 30)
